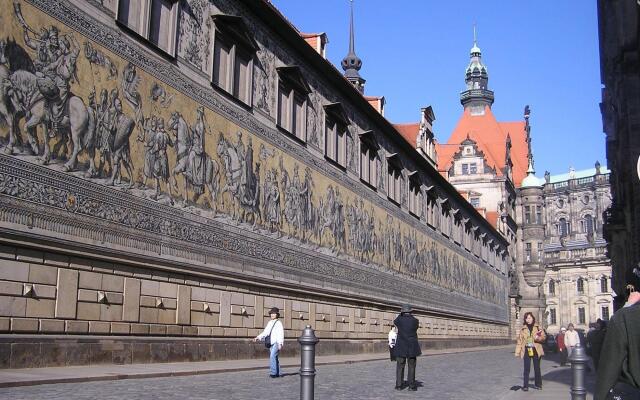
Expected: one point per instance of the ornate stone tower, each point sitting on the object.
(351, 63)
(531, 237)
(477, 96)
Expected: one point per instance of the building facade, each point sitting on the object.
(175, 169)
(578, 279)
(619, 64)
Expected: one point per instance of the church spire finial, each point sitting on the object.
(351, 63)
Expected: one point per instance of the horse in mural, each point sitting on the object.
(22, 98)
(233, 169)
(210, 169)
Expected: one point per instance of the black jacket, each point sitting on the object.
(620, 355)
(407, 343)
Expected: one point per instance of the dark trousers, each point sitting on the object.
(411, 372)
(536, 368)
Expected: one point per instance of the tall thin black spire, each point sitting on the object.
(351, 64)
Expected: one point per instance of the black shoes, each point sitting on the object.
(413, 388)
(274, 376)
(536, 387)
(398, 387)
(525, 389)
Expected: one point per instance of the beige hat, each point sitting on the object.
(563, 329)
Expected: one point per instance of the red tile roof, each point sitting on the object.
(409, 132)
(491, 136)
(492, 217)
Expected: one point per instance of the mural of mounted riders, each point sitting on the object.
(75, 107)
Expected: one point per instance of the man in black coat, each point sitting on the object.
(407, 347)
(619, 365)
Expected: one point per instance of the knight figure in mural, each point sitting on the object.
(156, 163)
(272, 216)
(250, 188)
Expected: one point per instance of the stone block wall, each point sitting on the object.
(67, 310)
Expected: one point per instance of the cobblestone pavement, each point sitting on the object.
(474, 375)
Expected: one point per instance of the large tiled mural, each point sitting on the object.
(73, 107)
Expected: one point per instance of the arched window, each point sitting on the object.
(580, 285)
(604, 285)
(588, 222)
(552, 287)
(563, 227)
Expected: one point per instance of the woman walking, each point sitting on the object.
(273, 337)
(529, 347)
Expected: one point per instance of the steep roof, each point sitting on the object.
(409, 132)
(491, 137)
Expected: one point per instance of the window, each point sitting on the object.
(527, 252)
(527, 214)
(465, 169)
(475, 202)
(552, 287)
(415, 197)
(233, 52)
(552, 316)
(605, 312)
(292, 102)
(335, 134)
(538, 215)
(472, 168)
(154, 20)
(581, 317)
(588, 222)
(563, 227)
(580, 285)
(368, 164)
(604, 287)
(540, 251)
(394, 183)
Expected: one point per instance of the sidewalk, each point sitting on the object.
(556, 383)
(40, 376)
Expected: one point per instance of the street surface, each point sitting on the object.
(478, 375)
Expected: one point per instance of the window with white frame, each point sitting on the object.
(465, 169)
(605, 312)
(154, 20)
(292, 102)
(415, 197)
(580, 285)
(604, 286)
(552, 287)
(540, 251)
(473, 169)
(233, 52)
(527, 214)
(394, 182)
(538, 215)
(527, 252)
(581, 315)
(552, 316)
(368, 162)
(475, 201)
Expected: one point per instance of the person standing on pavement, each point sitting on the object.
(273, 337)
(597, 339)
(562, 349)
(407, 348)
(393, 336)
(529, 348)
(571, 339)
(619, 365)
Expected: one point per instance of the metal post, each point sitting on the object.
(578, 359)
(308, 342)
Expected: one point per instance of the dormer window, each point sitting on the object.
(292, 102)
(154, 20)
(394, 179)
(335, 143)
(369, 158)
(233, 52)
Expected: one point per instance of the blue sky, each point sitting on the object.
(542, 53)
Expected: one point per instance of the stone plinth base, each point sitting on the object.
(31, 351)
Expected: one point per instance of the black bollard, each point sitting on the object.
(578, 359)
(308, 342)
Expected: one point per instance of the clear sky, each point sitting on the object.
(414, 52)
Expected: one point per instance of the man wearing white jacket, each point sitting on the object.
(273, 336)
(571, 339)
